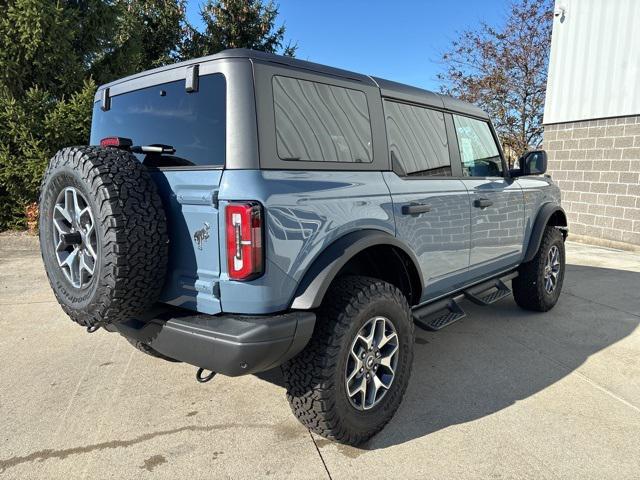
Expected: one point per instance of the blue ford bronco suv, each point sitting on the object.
(245, 211)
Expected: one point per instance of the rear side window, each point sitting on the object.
(478, 149)
(321, 123)
(417, 139)
(192, 123)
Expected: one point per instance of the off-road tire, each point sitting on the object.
(131, 233)
(315, 378)
(528, 287)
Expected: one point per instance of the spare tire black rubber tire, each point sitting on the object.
(102, 204)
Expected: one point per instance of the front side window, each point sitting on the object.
(317, 122)
(478, 149)
(192, 123)
(417, 139)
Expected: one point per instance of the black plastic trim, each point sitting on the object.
(544, 214)
(454, 149)
(318, 277)
(229, 344)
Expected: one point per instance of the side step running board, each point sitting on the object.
(498, 291)
(442, 313)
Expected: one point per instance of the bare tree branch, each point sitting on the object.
(503, 70)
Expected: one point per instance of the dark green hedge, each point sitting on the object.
(54, 53)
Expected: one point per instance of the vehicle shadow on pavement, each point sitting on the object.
(501, 354)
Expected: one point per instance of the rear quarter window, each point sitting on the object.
(193, 123)
(321, 123)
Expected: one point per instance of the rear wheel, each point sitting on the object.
(350, 379)
(539, 282)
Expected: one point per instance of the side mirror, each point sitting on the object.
(533, 162)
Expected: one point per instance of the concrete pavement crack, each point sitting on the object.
(320, 455)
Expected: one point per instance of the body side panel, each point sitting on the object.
(305, 212)
(440, 237)
(538, 191)
(497, 231)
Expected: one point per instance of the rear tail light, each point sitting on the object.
(245, 256)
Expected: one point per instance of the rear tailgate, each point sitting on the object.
(192, 123)
(190, 199)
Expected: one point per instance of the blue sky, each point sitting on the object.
(399, 40)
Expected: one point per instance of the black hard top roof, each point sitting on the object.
(388, 88)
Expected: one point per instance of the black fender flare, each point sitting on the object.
(542, 219)
(318, 277)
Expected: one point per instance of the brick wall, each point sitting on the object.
(596, 163)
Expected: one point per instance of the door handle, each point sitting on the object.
(482, 203)
(415, 209)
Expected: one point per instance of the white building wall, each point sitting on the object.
(594, 68)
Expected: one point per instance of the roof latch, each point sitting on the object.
(191, 79)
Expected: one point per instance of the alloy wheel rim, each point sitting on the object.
(74, 237)
(372, 362)
(552, 269)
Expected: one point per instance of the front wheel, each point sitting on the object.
(539, 282)
(350, 379)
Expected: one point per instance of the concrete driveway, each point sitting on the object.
(501, 394)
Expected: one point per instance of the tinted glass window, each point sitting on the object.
(193, 123)
(417, 139)
(321, 123)
(478, 149)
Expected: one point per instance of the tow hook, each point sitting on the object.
(204, 378)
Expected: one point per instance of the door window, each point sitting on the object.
(478, 150)
(417, 139)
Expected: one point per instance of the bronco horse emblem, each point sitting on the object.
(201, 235)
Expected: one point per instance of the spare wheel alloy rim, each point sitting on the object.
(74, 237)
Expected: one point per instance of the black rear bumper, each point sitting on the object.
(229, 344)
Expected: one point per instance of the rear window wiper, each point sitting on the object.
(124, 143)
(159, 148)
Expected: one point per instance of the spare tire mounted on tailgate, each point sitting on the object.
(103, 235)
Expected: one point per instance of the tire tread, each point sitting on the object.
(310, 375)
(528, 290)
(134, 237)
